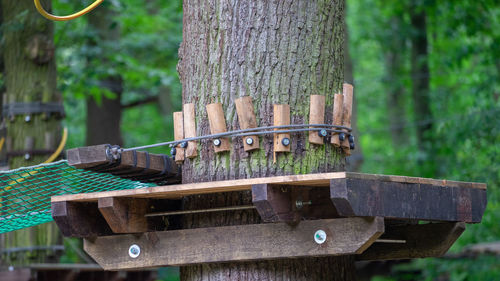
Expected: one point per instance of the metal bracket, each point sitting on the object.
(10, 110)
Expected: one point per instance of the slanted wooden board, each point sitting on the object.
(235, 243)
(352, 194)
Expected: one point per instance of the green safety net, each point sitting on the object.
(25, 193)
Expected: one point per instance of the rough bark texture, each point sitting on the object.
(30, 76)
(276, 52)
(104, 118)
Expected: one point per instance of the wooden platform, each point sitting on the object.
(412, 217)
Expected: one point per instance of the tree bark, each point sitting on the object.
(104, 118)
(277, 53)
(30, 76)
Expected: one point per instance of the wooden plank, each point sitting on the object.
(125, 215)
(247, 120)
(338, 112)
(179, 190)
(281, 117)
(347, 112)
(190, 129)
(235, 243)
(217, 124)
(316, 116)
(422, 240)
(274, 203)
(88, 156)
(79, 219)
(21, 274)
(179, 135)
(361, 197)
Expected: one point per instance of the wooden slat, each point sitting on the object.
(338, 112)
(247, 120)
(361, 197)
(179, 135)
(347, 112)
(88, 156)
(235, 243)
(79, 219)
(179, 190)
(190, 129)
(422, 240)
(217, 124)
(281, 117)
(316, 116)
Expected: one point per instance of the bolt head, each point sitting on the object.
(217, 142)
(27, 118)
(320, 236)
(134, 251)
(183, 144)
(323, 132)
(351, 138)
(351, 145)
(27, 156)
(341, 136)
(173, 151)
(285, 141)
(249, 141)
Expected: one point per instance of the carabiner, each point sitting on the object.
(44, 13)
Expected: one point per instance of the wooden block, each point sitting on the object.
(274, 203)
(281, 117)
(422, 241)
(316, 116)
(190, 129)
(347, 112)
(338, 112)
(235, 243)
(87, 157)
(79, 219)
(179, 135)
(125, 215)
(370, 197)
(218, 125)
(247, 120)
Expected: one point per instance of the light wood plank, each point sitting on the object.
(247, 120)
(217, 124)
(316, 116)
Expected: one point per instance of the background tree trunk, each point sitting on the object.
(104, 118)
(277, 53)
(30, 76)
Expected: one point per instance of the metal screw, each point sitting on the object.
(183, 144)
(341, 136)
(173, 151)
(320, 236)
(323, 133)
(134, 251)
(285, 141)
(217, 142)
(299, 203)
(351, 138)
(27, 118)
(249, 141)
(27, 156)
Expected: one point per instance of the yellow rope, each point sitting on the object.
(50, 159)
(44, 13)
(2, 141)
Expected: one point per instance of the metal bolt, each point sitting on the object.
(134, 251)
(217, 142)
(323, 133)
(351, 145)
(183, 144)
(27, 118)
(249, 141)
(299, 203)
(351, 138)
(173, 151)
(341, 136)
(27, 156)
(285, 141)
(320, 236)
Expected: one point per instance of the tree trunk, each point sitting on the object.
(104, 117)
(421, 88)
(30, 76)
(277, 53)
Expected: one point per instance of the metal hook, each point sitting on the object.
(44, 13)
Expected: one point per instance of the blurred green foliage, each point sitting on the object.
(464, 75)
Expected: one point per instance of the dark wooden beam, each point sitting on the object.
(274, 203)
(235, 243)
(422, 240)
(79, 219)
(407, 200)
(88, 156)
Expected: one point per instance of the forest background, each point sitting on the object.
(427, 88)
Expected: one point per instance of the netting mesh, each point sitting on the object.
(25, 193)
